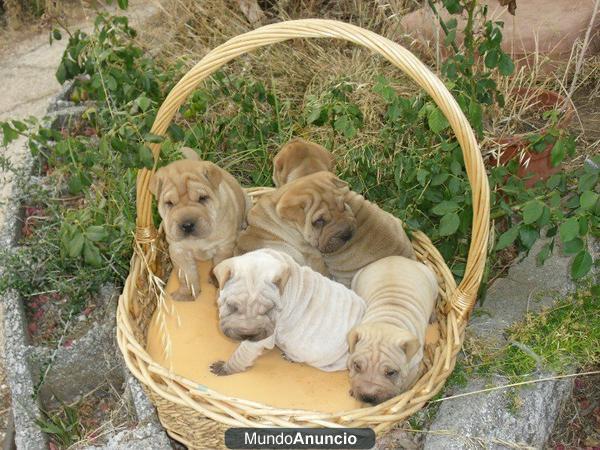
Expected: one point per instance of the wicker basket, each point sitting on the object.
(197, 416)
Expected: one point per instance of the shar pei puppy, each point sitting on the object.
(267, 299)
(203, 209)
(298, 158)
(386, 349)
(321, 223)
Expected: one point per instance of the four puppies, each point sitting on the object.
(267, 299)
(386, 349)
(270, 296)
(203, 209)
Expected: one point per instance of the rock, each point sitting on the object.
(516, 416)
(499, 419)
(91, 360)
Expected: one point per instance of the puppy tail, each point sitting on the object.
(189, 153)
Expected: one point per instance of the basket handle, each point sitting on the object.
(463, 298)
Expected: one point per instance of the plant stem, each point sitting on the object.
(442, 24)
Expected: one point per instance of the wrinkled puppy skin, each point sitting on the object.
(318, 221)
(203, 209)
(299, 158)
(267, 299)
(301, 218)
(386, 349)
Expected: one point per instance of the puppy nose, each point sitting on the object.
(187, 227)
(368, 398)
(247, 337)
(347, 235)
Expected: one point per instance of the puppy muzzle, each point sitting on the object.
(337, 240)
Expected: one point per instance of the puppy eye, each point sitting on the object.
(233, 309)
(391, 373)
(356, 366)
(169, 204)
(203, 198)
(319, 223)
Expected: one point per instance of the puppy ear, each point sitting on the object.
(353, 338)
(211, 173)
(292, 207)
(410, 347)
(189, 153)
(340, 184)
(223, 273)
(281, 280)
(156, 184)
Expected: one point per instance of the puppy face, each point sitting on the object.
(315, 205)
(250, 296)
(299, 158)
(186, 192)
(380, 362)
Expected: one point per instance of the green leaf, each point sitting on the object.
(314, 115)
(91, 254)
(422, 176)
(543, 254)
(558, 152)
(143, 102)
(573, 246)
(75, 245)
(145, 156)
(532, 210)
(491, 59)
(528, 236)
(75, 184)
(506, 65)
(582, 263)
(9, 134)
(445, 207)
(96, 233)
(569, 229)
(436, 120)
(587, 182)
(123, 4)
(588, 199)
(449, 224)
(153, 138)
(507, 238)
(56, 34)
(440, 178)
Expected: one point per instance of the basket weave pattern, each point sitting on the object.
(197, 416)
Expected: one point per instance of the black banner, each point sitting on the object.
(299, 438)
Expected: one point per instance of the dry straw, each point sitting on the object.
(196, 415)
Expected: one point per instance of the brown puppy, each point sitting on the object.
(318, 221)
(298, 158)
(203, 209)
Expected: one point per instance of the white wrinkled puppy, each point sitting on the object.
(386, 349)
(267, 299)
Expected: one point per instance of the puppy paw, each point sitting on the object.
(218, 368)
(182, 295)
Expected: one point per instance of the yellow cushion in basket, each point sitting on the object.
(196, 342)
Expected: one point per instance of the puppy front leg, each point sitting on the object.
(187, 272)
(243, 358)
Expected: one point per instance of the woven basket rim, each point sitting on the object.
(459, 299)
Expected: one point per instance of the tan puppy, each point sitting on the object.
(203, 209)
(298, 158)
(386, 349)
(267, 299)
(319, 222)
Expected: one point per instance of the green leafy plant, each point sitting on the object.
(63, 427)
